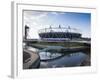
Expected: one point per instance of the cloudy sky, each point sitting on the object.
(40, 19)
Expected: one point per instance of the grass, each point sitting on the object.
(63, 44)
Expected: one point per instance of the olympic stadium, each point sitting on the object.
(59, 33)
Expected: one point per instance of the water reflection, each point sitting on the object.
(68, 60)
(54, 59)
(49, 56)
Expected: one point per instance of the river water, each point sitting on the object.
(55, 59)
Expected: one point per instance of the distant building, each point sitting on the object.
(59, 33)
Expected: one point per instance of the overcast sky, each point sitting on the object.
(40, 19)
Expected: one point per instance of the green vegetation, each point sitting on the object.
(63, 44)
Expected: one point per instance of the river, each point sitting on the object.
(66, 59)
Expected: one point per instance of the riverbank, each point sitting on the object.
(74, 47)
(30, 59)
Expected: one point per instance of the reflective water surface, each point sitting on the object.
(54, 59)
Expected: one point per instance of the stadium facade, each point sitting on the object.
(59, 33)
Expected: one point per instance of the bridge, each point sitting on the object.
(30, 40)
(39, 40)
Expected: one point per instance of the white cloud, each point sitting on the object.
(55, 13)
(33, 19)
